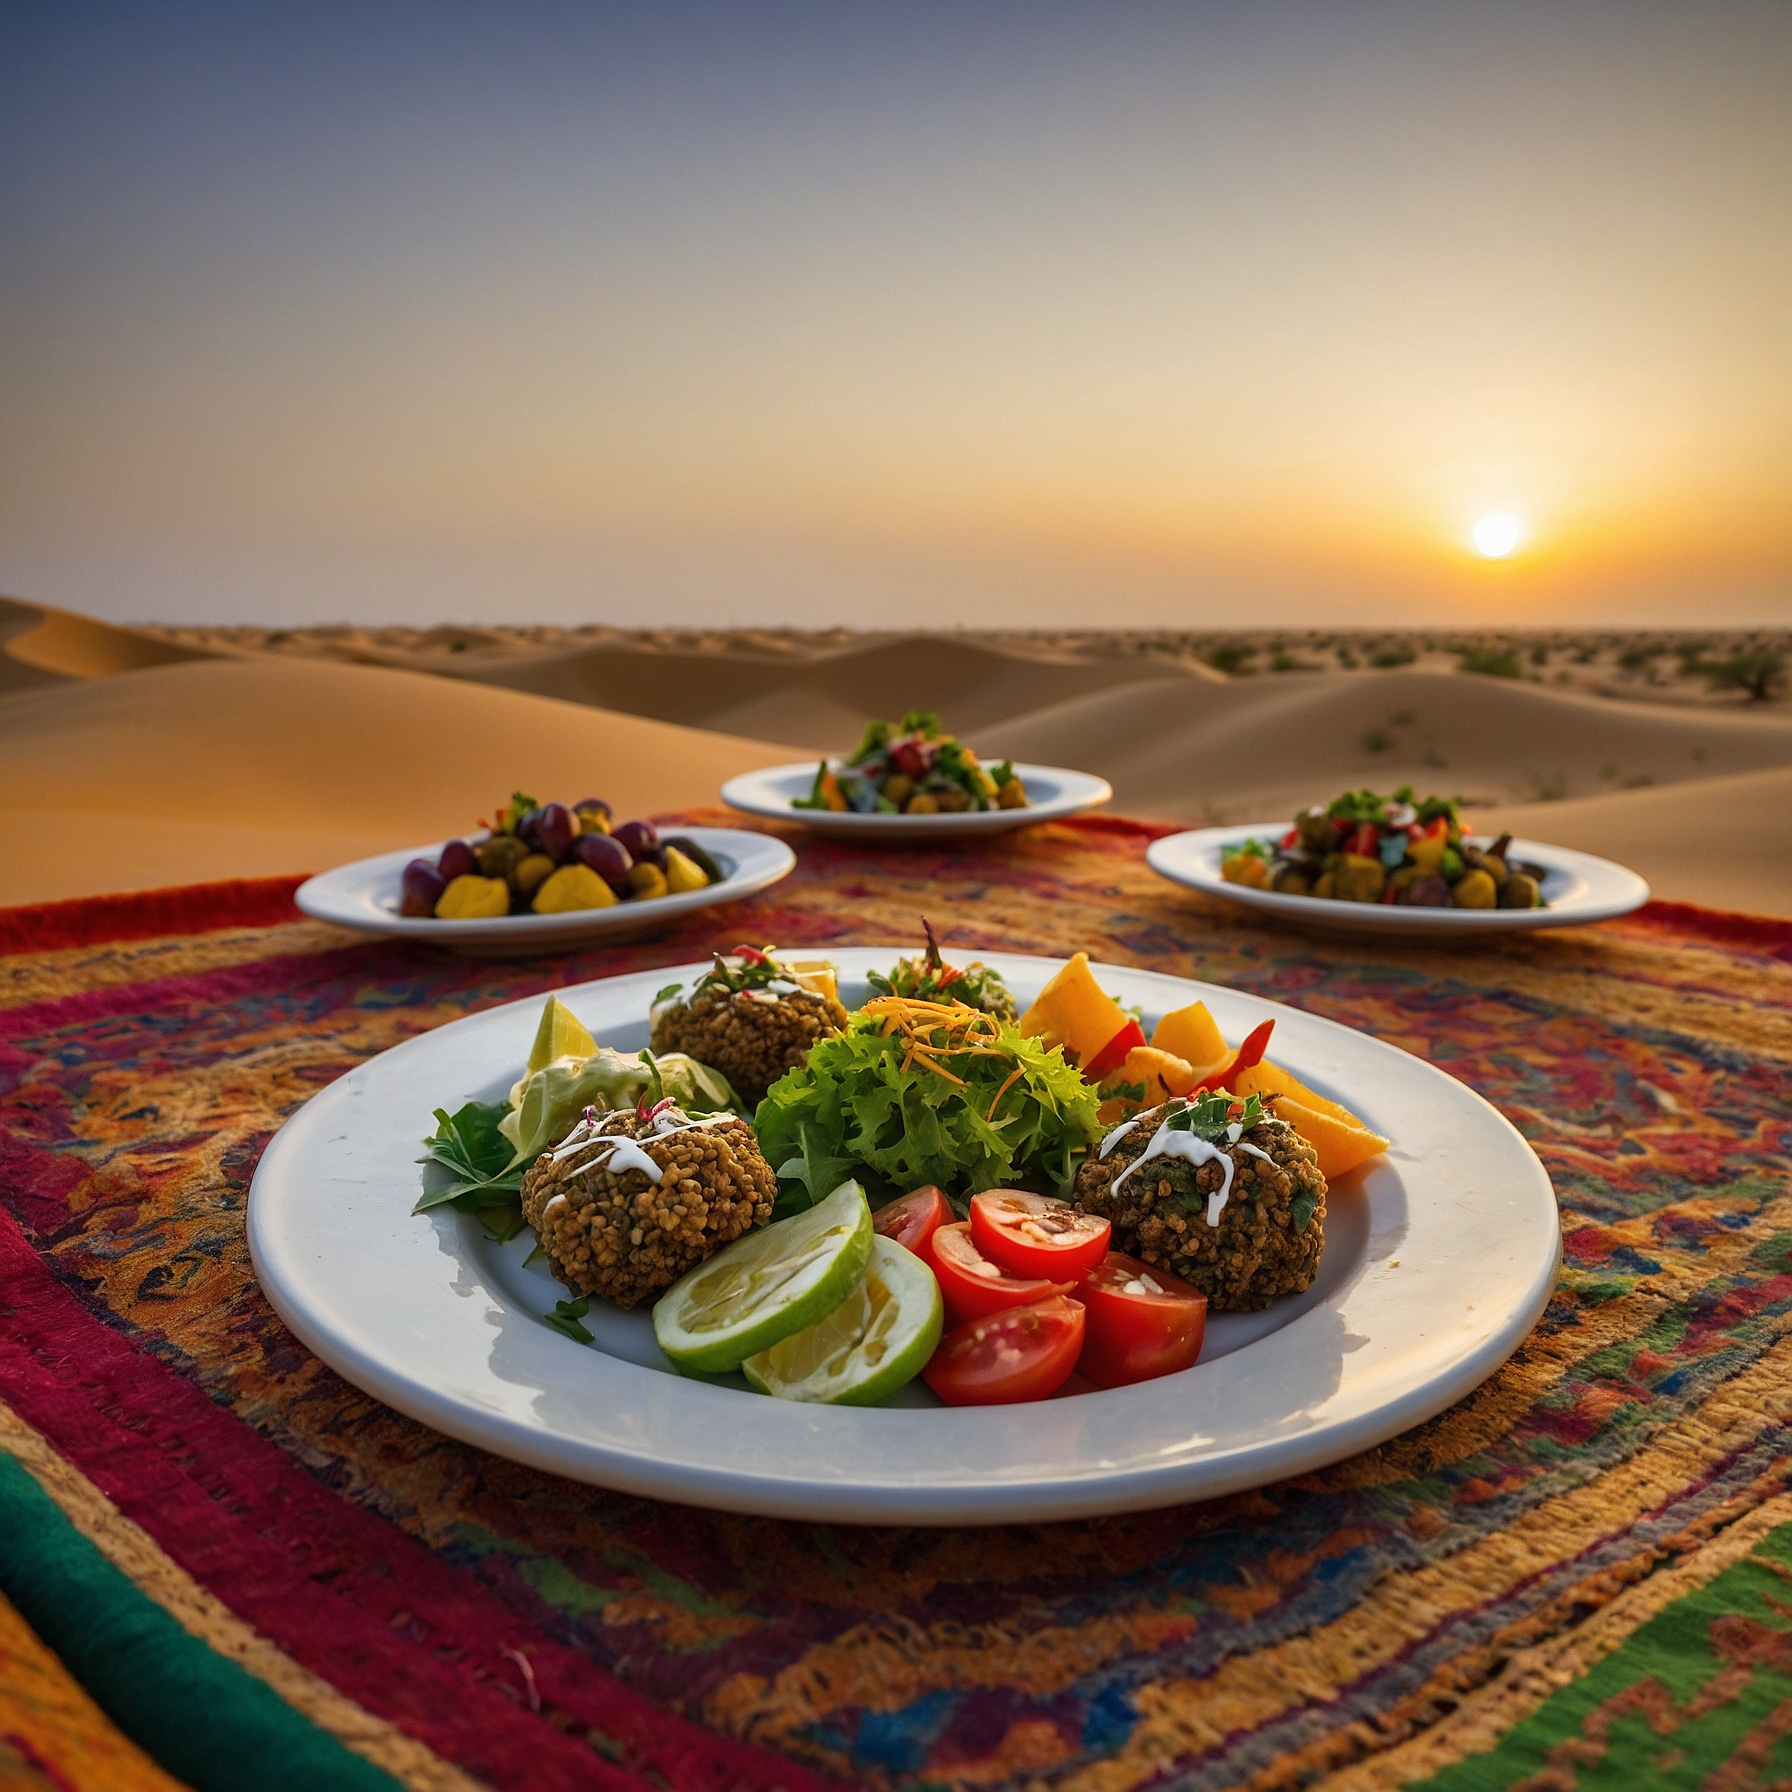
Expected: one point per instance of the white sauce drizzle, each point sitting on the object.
(1115, 1137)
(619, 1154)
(1195, 1150)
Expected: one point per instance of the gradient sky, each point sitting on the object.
(1003, 315)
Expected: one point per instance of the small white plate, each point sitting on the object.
(1439, 1256)
(1577, 887)
(365, 896)
(1052, 794)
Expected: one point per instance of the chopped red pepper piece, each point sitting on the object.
(1249, 1055)
(749, 955)
(1113, 1054)
(1365, 843)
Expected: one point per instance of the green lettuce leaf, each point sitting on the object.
(853, 1107)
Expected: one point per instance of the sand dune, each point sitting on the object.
(214, 768)
(189, 759)
(1256, 747)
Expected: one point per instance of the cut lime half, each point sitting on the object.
(766, 1285)
(877, 1340)
(561, 1035)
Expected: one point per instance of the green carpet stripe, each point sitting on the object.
(202, 1717)
(1704, 1683)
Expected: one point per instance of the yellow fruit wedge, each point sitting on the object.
(1161, 1073)
(1340, 1147)
(1272, 1079)
(561, 1035)
(1191, 1034)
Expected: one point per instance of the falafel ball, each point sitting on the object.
(610, 1229)
(752, 1036)
(1271, 1230)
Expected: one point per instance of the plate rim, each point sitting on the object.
(315, 896)
(1084, 1493)
(1577, 911)
(1093, 791)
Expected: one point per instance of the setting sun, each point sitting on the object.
(1497, 535)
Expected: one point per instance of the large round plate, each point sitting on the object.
(1439, 1257)
(1578, 888)
(365, 896)
(1052, 792)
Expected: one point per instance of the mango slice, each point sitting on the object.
(1075, 1012)
(1194, 1036)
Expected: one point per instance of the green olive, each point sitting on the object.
(500, 855)
(1520, 891)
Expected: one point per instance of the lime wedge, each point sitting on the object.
(875, 1341)
(561, 1035)
(766, 1285)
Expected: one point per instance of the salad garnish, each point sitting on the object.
(930, 978)
(913, 768)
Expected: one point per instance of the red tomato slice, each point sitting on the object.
(1032, 1235)
(1143, 1321)
(911, 1220)
(972, 1285)
(1023, 1353)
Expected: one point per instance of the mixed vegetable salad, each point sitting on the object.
(1364, 847)
(552, 859)
(1006, 1206)
(913, 768)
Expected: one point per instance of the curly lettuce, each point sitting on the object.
(1008, 1114)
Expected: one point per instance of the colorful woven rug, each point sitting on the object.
(227, 1568)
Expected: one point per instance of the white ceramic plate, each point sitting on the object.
(1439, 1257)
(365, 896)
(1052, 793)
(1578, 888)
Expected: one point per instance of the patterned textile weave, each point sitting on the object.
(1576, 1576)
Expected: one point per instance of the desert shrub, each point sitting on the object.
(1392, 653)
(1491, 662)
(1760, 672)
(1376, 740)
(1233, 658)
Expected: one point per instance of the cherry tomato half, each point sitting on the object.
(1143, 1321)
(911, 1220)
(1032, 1235)
(1022, 1353)
(972, 1285)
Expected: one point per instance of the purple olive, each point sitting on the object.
(607, 856)
(527, 823)
(555, 831)
(1428, 892)
(640, 837)
(597, 805)
(456, 861)
(422, 885)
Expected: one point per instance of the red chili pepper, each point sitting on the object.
(749, 954)
(1365, 843)
(1248, 1057)
(1113, 1054)
(949, 976)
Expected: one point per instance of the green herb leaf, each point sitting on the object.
(566, 1316)
(666, 994)
(1302, 1208)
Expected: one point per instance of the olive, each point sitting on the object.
(607, 856)
(594, 816)
(1428, 892)
(1318, 832)
(640, 837)
(1520, 891)
(421, 886)
(456, 861)
(697, 856)
(499, 855)
(555, 831)
(528, 875)
(1291, 881)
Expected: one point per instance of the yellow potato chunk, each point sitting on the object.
(473, 898)
(572, 887)
(1474, 889)
(646, 881)
(684, 873)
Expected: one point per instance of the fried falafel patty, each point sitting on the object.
(1271, 1230)
(752, 1036)
(609, 1228)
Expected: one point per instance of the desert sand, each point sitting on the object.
(157, 756)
